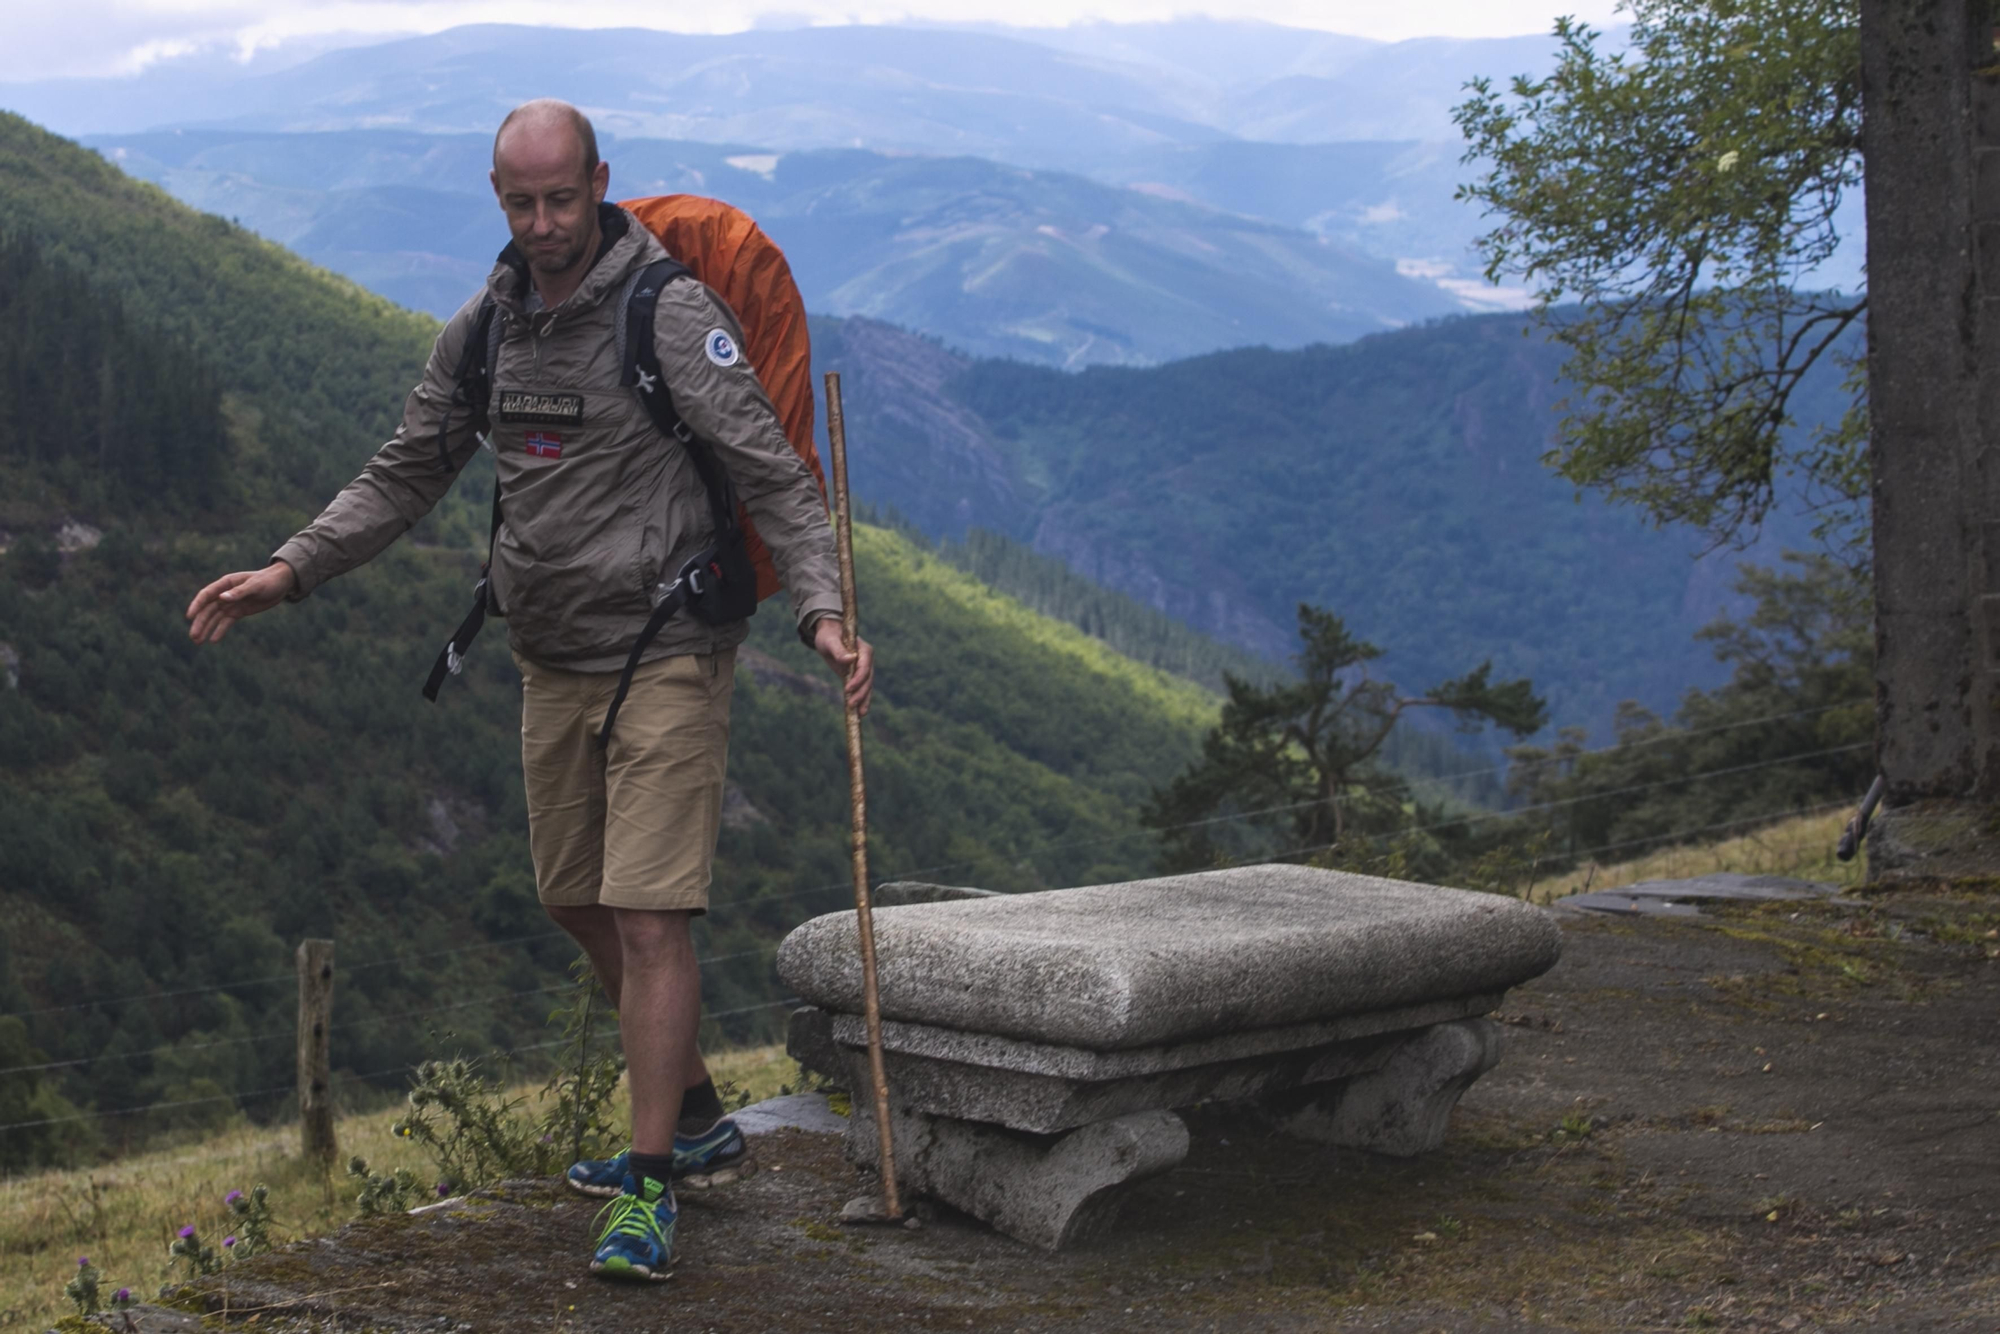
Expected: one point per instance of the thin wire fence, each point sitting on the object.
(1674, 836)
(239, 1096)
(760, 900)
(277, 977)
(289, 1034)
(1276, 810)
(1044, 850)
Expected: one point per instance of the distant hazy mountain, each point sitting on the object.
(1348, 138)
(1047, 97)
(1390, 199)
(996, 260)
(886, 88)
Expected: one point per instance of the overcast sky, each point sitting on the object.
(69, 37)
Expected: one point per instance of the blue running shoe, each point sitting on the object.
(715, 1156)
(598, 1176)
(638, 1237)
(712, 1157)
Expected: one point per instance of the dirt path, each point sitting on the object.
(1778, 1119)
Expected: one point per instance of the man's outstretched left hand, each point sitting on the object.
(856, 668)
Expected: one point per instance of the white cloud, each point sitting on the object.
(44, 38)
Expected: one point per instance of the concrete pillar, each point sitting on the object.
(1924, 324)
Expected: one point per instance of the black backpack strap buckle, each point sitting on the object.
(451, 661)
(686, 588)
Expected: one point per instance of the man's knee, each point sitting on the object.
(648, 932)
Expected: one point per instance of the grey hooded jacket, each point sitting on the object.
(597, 506)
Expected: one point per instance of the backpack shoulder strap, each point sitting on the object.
(473, 389)
(639, 361)
(472, 381)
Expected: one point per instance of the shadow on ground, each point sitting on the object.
(1784, 1117)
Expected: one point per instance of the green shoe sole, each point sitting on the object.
(618, 1267)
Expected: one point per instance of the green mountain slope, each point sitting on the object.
(173, 820)
(329, 362)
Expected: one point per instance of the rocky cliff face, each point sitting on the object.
(910, 442)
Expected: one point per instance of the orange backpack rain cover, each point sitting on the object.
(723, 248)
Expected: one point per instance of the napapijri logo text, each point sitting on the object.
(520, 405)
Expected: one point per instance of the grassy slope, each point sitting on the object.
(124, 1216)
(1173, 697)
(1801, 847)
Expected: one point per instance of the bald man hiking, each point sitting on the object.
(598, 509)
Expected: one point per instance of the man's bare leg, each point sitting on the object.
(596, 929)
(659, 1016)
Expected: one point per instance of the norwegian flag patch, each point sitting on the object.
(544, 444)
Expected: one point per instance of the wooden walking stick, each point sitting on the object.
(871, 1005)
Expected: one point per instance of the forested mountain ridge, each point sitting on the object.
(173, 819)
(106, 412)
(271, 328)
(1397, 480)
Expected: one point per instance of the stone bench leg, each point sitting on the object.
(1401, 1108)
(1052, 1191)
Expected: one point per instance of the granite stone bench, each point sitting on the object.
(1037, 1044)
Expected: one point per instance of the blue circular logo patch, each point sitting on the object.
(721, 348)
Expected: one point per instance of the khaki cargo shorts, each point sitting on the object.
(632, 825)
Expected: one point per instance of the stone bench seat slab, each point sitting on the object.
(1151, 963)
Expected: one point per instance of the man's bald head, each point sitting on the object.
(547, 125)
(549, 181)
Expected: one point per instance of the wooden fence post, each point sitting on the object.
(315, 959)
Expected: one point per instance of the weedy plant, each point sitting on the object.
(476, 1134)
(253, 1222)
(579, 1093)
(188, 1250)
(382, 1192)
(84, 1290)
(1572, 1128)
(83, 1287)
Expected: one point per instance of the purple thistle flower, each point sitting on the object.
(444, 1188)
(83, 1262)
(228, 1242)
(122, 1296)
(232, 1197)
(187, 1233)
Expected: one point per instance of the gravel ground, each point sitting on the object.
(1778, 1118)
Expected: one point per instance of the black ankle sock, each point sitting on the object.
(658, 1166)
(701, 1103)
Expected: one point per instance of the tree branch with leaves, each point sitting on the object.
(1671, 202)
